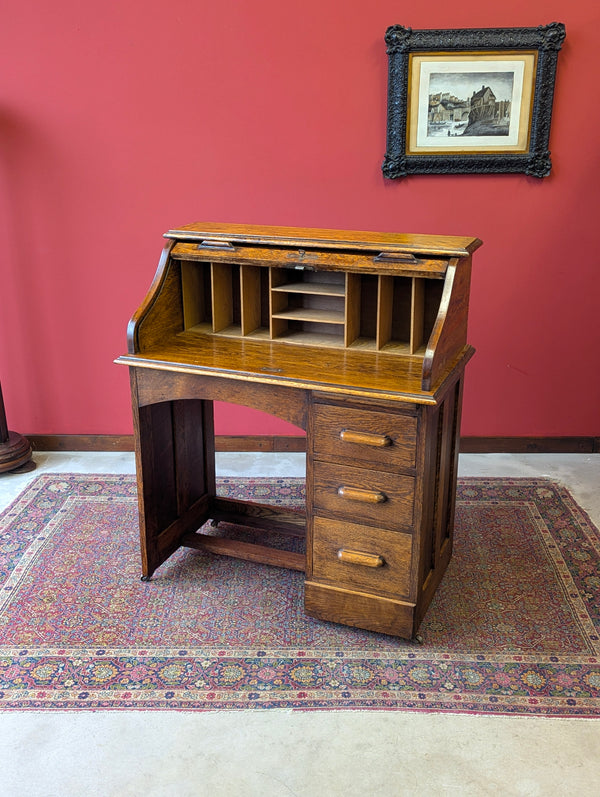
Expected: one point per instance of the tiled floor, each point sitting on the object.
(312, 754)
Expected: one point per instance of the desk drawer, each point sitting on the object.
(359, 557)
(367, 438)
(365, 496)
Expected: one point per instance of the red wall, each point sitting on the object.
(121, 119)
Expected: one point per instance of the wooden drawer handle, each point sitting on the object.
(366, 496)
(360, 558)
(365, 438)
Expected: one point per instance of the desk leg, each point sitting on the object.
(176, 474)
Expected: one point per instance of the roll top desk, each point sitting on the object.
(360, 339)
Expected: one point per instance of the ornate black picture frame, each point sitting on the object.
(470, 101)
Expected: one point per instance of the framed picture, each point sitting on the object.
(470, 101)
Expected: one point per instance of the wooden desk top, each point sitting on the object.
(434, 245)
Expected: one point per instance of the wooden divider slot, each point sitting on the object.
(385, 298)
(250, 284)
(224, 293)
(195, 292)
(417, 314)
(352, 309)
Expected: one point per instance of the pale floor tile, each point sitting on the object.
(313, 754)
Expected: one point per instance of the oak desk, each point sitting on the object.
(359, 338)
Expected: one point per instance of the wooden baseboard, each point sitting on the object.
(530, 445)
(468, 445)
(114, 442)
(81, 442)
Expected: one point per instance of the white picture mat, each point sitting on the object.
(429, 68)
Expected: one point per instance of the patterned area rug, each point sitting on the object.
(512, 630)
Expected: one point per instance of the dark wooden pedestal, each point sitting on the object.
(15, 450)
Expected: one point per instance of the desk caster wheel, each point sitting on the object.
(145, 578)
(214, 524)
(417, 639)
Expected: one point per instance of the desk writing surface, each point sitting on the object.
(376, 375)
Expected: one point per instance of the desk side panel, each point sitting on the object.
(175, 472)
(449, 333)
(160, 315)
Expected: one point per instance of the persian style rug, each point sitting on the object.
(513, 629)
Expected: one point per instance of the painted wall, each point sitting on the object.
(121, 119)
